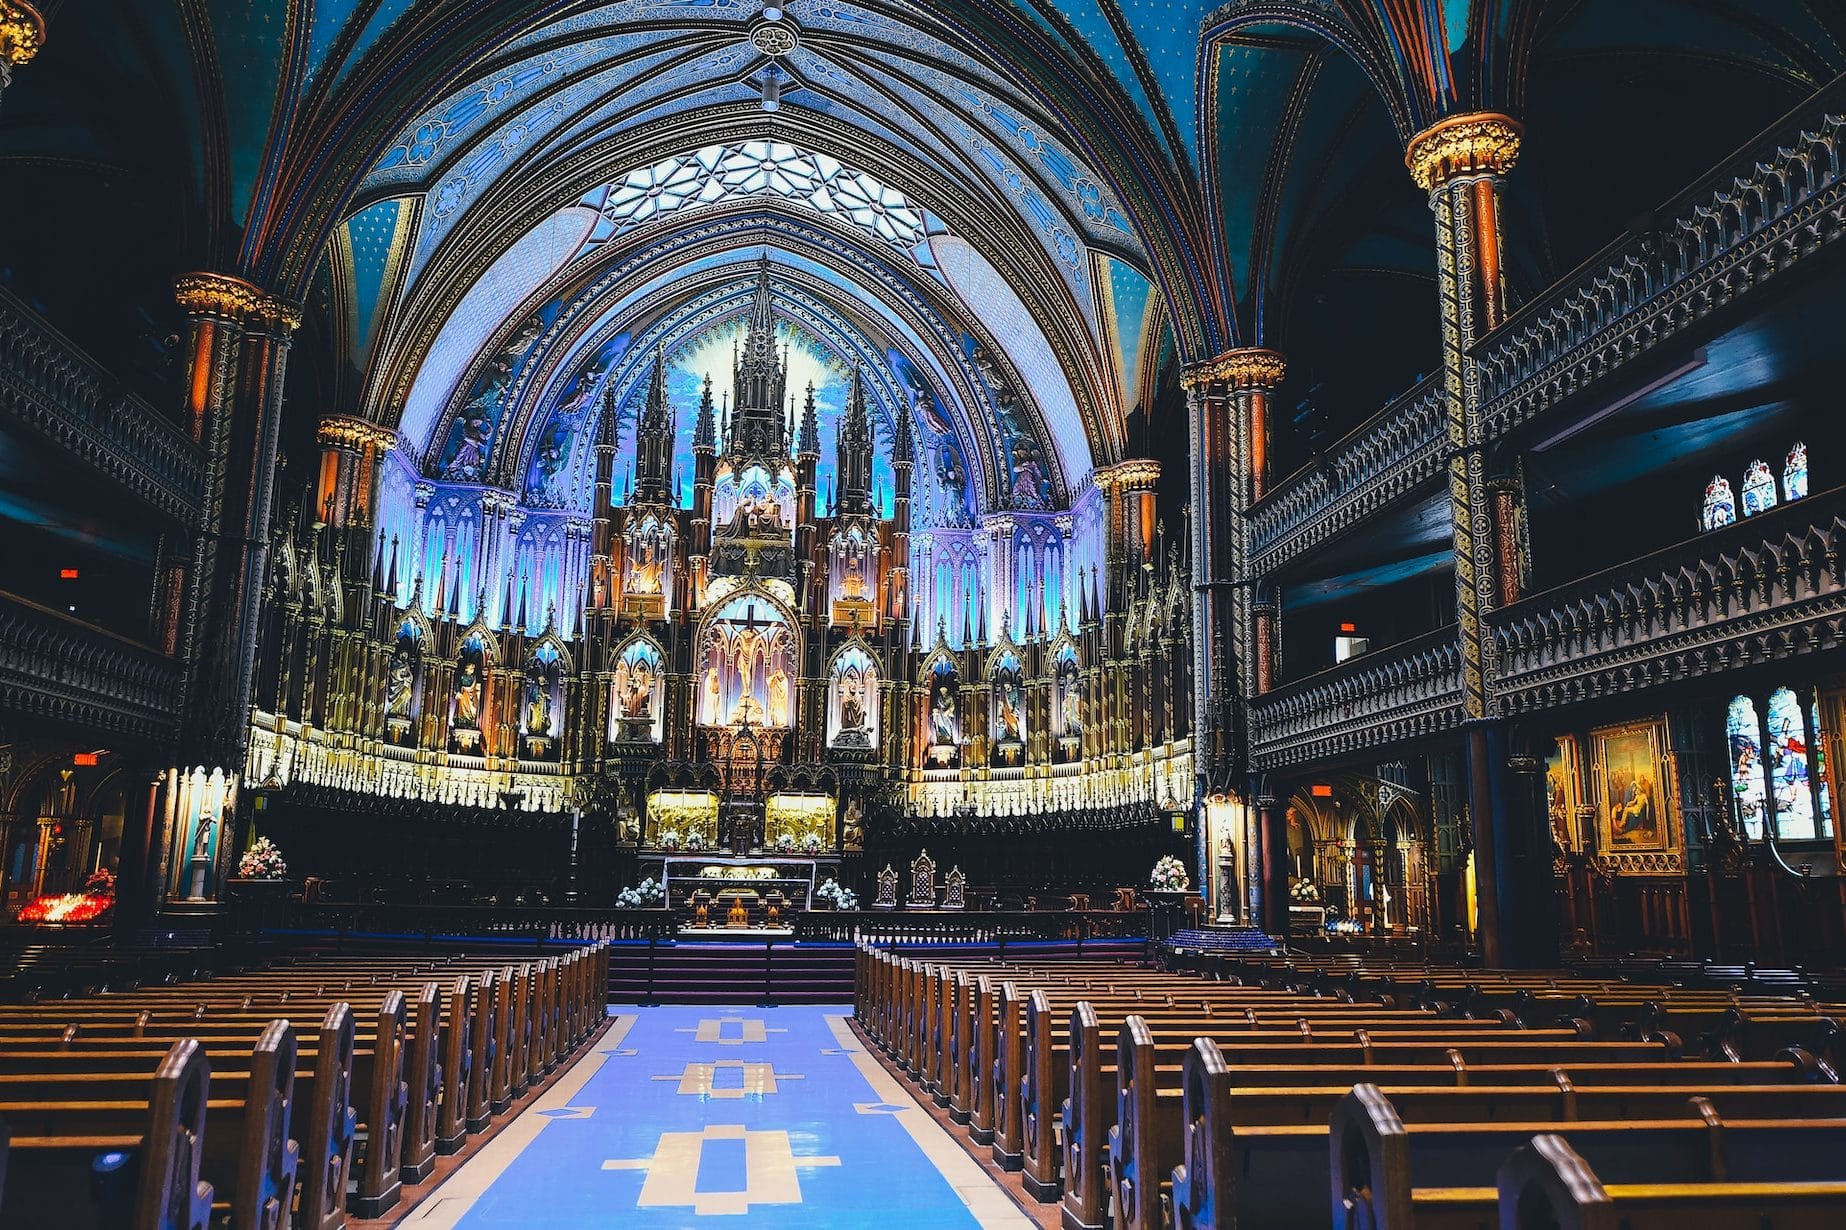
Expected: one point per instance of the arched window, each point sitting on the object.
(1758, 489)
(1795, 473)
(1779, 768)
(1747, 788)
(1720, 506)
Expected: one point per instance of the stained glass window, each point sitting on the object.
(759, 168)
(1823, 792)
(1747, 782)
(1795, 473)
(1788, 768)
(1720, 506)
(1758, 489)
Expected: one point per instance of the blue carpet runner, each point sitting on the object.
(689, 1115)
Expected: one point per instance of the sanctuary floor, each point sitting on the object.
(682, 1116)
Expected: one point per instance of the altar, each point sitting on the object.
(752, 876)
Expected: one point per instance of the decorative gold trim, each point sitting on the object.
(1479, 143)
(231, 298)
(1134, 474)
(344, 430)
(22, 32)
(1251, 367)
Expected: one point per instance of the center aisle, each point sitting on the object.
(685, 1115)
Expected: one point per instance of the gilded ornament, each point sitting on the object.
(22, 33)
(1480, 143)
(233, 299)
(1133, 475)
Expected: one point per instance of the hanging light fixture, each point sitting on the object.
(771, 83)
(772, 11)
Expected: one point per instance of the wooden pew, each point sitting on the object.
(1379, 1163)
(1546, 1186)
(131, 1164)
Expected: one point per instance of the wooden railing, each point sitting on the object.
(1389, 696)
(1397, 451)
(48, 385)
(1766, 588)
(999, 927)
(67, 672)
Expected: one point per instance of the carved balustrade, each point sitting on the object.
(65, 672)
(1768, 209)
(1399, 450)
(49, 386)
(1387, 697)
(1764, 589)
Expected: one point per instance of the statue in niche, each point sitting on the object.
(1073, 710)
(747, 654)
(538, 707)
(852, 701)
(778, 697)
(852, 577)
(650, 559)
(634, 687)
(400, 684)
(712, 698)
(1012, 701)
(468, 696)
(942, 713)
(852, 827)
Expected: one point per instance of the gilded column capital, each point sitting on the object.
(1478, 143)
(350, 431)
(1251, 367)
(22, 33)
(1134, 474)
(233, 299)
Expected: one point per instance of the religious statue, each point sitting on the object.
(747, 653)
(1072, 707)
(852, 827)
(634, 688)
(942, 714)
(649, 560)
(400, 685)
(538, 707)
(1012, 700)
(468, 697)
(778, 697)
(712, 697)
(852, 702)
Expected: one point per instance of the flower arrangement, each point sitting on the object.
(833, 896)
(647, 895)
(1304, 892)
(101, 883)
(812, 843)
(695, 842)
(785, 843)
(262, 861)
(1169, 875)
(669, 839)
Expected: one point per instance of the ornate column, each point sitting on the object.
(237, 340)
(1461, 162)
(1507, 493)
(22, 33)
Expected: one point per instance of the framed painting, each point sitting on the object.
(1634, 788)
(1563, 792)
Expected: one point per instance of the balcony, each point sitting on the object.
(1394, 453)
(1761, 590)
(65, 673)
(1767, 210)
(51, 388)
(1409, 692)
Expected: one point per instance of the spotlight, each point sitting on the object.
(772, 11)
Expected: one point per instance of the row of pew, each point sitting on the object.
(297, 1095)
(1146, 1099)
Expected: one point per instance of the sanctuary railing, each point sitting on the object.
(1768, 209)
(1395, 452)
(1390, 696)
(1766, 588)
(997, 927)
(535, 923)
(63, 670)
(49, 386)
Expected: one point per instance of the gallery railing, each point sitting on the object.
(1397, 451)
(432, 922)
(1766, 588)
(49, 386)
(67, 672)
(1768, 209)
(1389, 696)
